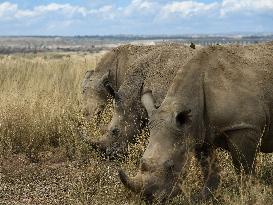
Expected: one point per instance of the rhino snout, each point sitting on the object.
(144, 183)
(154, 182)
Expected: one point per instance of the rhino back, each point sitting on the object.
(238, 84)
(156, 70)
(119, 60)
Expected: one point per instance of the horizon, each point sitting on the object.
(186, 35)
(135, 17)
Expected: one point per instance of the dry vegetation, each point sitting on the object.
(44, 161)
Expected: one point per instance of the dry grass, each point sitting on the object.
(44, 161)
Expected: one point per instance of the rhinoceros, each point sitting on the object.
(154, 71)
(111, 70)
(222, 98)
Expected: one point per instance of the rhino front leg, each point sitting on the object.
(243, 145)
(207, 158)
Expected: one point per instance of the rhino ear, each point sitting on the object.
(148, 101)
(86, 78)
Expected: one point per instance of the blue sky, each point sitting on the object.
(106, 17)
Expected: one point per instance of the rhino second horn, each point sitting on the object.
(127, 182)
(148, 102)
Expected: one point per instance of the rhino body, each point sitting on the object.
(112, 69)
(154, 71)
(223, 98)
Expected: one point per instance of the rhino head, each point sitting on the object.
(129, 118)
(95, 94)
(166, 153)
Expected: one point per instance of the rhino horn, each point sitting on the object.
(131, 184)
(87, 75)
(148, 101)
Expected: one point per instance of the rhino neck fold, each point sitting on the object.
(187, 93)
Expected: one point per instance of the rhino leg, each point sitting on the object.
(243, 146)
(207, 158)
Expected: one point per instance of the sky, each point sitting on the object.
(135, 17)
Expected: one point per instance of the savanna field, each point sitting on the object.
(44, 160)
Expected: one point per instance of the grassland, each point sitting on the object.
(43, 160)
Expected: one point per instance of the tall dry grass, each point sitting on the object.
(43, 160)
(40, 101)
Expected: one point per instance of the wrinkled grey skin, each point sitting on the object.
(114, 78)
(210, 105)
(111, 70)
(115, 141)
(129, 116)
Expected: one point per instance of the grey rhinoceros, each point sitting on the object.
(223, 98)
(111, 70)
(155, 71)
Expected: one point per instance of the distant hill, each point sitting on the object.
(26, 44)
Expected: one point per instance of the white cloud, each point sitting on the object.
(140, 6)
(64, 9)
(151, 9)
(7, 10)
(187, 8)
(230, 6)
(105, 12)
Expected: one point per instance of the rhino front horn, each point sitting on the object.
(127, 182)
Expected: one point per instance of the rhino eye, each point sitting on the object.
(183, 117)
(115, 131)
